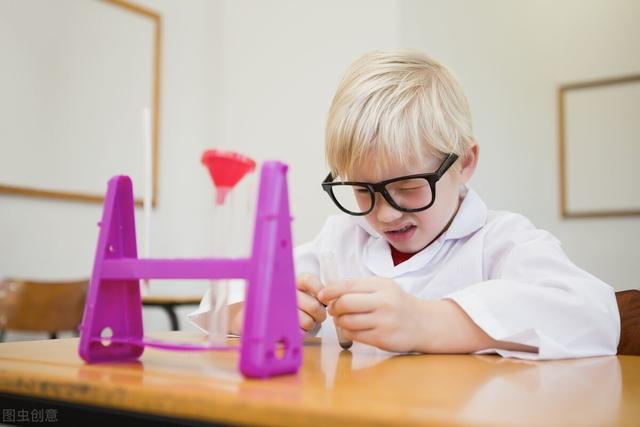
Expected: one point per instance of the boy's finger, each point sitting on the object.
(330, 293)
(356, 322)
(306, 321)
(311, 306)
(353, 303)
(309, 283)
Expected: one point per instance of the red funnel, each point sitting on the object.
(226, 169)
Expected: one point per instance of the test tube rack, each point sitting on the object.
(271, 340)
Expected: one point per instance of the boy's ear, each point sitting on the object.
(470, 162)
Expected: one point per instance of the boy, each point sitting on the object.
(433, 271)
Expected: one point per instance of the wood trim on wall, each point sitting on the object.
(56, 194)
(562, 152)
(155, 125)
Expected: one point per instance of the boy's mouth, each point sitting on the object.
(401, 234)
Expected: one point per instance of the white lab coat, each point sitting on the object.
(511, 278)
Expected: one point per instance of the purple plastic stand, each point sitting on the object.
(271, 342)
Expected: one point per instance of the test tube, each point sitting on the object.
(218, 324)
(329, 273)
(226, 169)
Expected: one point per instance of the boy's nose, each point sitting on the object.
(384, 211)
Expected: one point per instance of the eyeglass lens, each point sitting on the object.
(408, 194)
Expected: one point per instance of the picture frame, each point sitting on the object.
(17, 178)
(599, 136)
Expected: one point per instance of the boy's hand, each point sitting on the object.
(376, 311)
(310, 310)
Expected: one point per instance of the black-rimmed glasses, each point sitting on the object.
(411, 193)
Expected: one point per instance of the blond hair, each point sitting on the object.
(399, 105)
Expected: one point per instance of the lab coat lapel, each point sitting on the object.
(471, 216)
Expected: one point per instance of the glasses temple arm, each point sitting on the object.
(447, 164)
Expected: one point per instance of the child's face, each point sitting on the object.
(411, 232)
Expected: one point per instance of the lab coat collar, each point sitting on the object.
(471, 216)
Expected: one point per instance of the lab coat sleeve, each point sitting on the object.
(536, 296)
(200, 317)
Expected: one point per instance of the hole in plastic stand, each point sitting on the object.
(281, 349)
(106, 335)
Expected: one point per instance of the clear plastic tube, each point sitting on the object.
(218, 325)
(329, 273)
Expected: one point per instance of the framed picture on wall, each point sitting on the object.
(79, 79)
(599, 147)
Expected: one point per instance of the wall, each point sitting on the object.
(258, 77)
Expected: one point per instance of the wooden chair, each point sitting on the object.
(629, 307)
(41, 306)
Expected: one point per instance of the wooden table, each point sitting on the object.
(363, 387)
